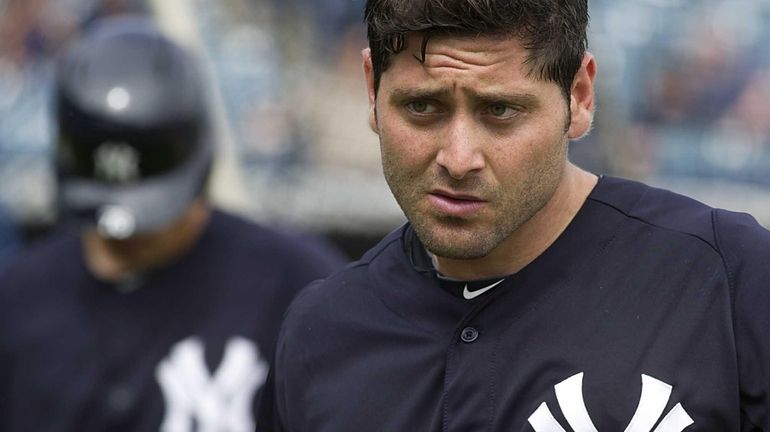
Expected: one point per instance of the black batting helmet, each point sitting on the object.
(133, 148)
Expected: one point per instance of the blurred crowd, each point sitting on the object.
(693, 86)
(683, 92)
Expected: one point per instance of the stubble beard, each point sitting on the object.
(461, 239)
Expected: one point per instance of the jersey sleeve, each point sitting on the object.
(272, 413)
(745, 247)
(268, 417)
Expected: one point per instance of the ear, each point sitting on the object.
(582, 98)
(369, 74)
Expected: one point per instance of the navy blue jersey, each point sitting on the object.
(651, 312)
(186, 347)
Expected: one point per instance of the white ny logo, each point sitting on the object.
(221, 402)
(655, 395)
(116, 162)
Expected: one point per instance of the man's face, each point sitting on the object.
(471, 146)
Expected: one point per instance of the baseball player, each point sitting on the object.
(158, 313)
(524, 293)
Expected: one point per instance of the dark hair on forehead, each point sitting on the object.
(552, 31)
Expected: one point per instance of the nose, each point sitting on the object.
(460, 152)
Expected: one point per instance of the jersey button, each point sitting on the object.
(469, 334)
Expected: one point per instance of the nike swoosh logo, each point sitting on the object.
(472, 295)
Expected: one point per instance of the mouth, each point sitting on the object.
(456, 204)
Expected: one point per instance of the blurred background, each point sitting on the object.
(683, 103)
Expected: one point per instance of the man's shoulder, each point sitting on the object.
(44, 255)
(734, 235)
(257, 241)
(320, 308)
(238, 229)
(348, 290)
(744, 244)
(39, 273)
(660, 208)
(339, 291)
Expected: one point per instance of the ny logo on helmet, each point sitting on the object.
(655, 395)
(116, 162)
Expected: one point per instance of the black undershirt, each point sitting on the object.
(422, 262)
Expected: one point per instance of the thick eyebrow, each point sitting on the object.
(526, 100)
(405, 94)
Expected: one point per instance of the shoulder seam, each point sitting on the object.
(731, 290)
(728, 270)
(652, 224)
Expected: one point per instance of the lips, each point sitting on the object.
(455, 204)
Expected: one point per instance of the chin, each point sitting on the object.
(459, 244)
(458, 251)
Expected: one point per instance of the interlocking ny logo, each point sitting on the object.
(655, 395)
(116, 162)
(221, 402)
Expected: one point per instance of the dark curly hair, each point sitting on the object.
(553, 31)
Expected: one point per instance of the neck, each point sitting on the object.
(532, 238)
(118, 260)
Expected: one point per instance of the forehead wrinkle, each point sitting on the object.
(485, 67)
(468, 52)
(463, 60)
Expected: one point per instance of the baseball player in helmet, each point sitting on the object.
(133, 148)
(158, 312)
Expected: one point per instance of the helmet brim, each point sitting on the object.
(152, 204)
